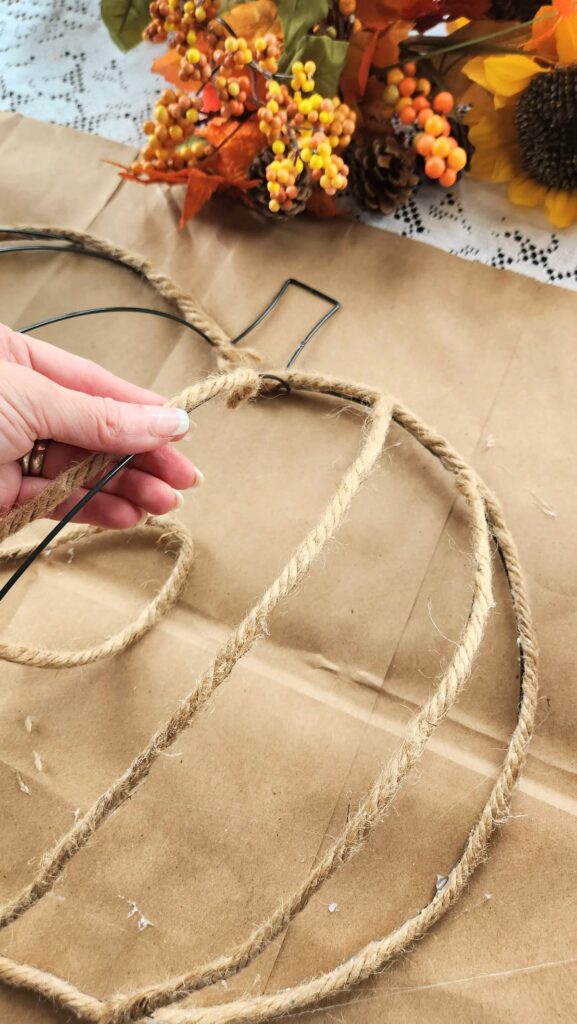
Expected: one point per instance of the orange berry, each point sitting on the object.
(406, 101)
(446, 128)
(391, 94)
(452, 142)
(457, 159)
(441, 147)
(407, 115)
(434, 125)
(407, 86)
(394, 76)
(423, 116)
(424, 144)
(435, 167)
(448, 178)
(420, 103)
(410, 69)
(443, 102)
(424, 86)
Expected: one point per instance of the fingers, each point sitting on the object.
(142, 483)
(10, 480)
(97, 424)
(166, 463)
(107, 511)
(81, 374)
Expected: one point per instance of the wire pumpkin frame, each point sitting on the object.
(158, 1001)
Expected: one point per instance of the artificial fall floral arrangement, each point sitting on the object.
(295, 105)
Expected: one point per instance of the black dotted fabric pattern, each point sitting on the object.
(58, 64)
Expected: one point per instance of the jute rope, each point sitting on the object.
(485, 519)
(171, 531)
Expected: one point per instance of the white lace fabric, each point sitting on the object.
(57, 63)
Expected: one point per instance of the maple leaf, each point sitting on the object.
(200, 188)
(355, 74)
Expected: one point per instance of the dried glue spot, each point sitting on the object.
(142, 922)
(37, 761)
(28, 724)
(22, 785)
(333, 907)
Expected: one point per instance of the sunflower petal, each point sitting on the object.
(526, 192)
(475, 70)
(566, 39)
(497, 164)
(506, 165)
(510, 74)
(561, 207)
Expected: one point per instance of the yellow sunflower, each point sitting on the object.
(530, 138)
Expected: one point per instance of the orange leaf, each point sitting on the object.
(167, 65)
(234, 159)
(321, 205)
(387, 48)
(543, 33)
(378, 13)
(355, 73)
(200, 188)
(254, 18)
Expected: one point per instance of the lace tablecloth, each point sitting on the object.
(57, 63)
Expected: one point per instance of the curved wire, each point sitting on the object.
(115, 309)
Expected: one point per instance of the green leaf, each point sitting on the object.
(296, 18)
(125, 21)
(329, 56)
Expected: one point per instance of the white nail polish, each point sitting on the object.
(179, 499)
(190, 432)
(168, 422)
(199, 478)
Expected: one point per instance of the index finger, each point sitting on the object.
(81, 374)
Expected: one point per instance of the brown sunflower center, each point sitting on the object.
(546, 121)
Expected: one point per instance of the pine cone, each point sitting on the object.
(513, 10)
(382, 173)
(259, 196)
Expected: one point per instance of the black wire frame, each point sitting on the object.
(70, 247)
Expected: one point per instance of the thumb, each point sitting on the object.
(101, 424)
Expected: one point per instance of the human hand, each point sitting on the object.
(48, 393)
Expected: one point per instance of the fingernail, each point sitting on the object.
(199, 477)
(189, 432)
(179, 499)
(169, 422)
(143, 517)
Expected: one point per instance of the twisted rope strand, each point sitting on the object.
(170, 530)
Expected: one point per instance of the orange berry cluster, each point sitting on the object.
(410, 99)
(282, 174)
(168, 145)
(232, 82)
(178, 22)
(312, 127)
